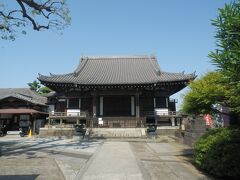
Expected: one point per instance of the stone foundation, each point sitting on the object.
(56, 132)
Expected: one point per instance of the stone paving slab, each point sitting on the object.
(114, 160)
(161, 161)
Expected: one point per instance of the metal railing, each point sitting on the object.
(117, 123)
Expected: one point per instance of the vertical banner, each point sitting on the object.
(207, 118)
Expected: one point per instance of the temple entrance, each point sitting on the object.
(115, 106)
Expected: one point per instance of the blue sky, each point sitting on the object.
(179, 33)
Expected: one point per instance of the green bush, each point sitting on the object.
(218, 152)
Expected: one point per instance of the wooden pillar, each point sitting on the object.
(34, 124)
(80, 103)
(167, 102)
(94, 110)
(67, 103)
(137, 106)
(101, 106)
(173, 121)
(132, 105)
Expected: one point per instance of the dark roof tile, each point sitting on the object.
(23, 94)
(94, 70)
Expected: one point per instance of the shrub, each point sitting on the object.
(218, 152)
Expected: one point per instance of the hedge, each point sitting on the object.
(218, 152)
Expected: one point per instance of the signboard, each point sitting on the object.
(100, 121)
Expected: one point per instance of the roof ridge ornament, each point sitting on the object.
(117, 57)
(81, 65)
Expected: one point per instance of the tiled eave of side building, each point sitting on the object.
(116, 72)
(23, 94)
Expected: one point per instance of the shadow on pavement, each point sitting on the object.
(19, 177)
(41, 145)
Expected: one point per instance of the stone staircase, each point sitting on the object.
(117, 132)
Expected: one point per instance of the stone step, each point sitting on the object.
(117, 132)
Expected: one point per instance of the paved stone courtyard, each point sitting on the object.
(56, 158)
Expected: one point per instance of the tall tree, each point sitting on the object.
(227, 55)
(39, 14)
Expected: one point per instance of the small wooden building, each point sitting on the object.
(116, 91)
(21, 105)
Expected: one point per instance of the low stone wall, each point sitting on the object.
(193, 128)
(56, 132)
(167, 130)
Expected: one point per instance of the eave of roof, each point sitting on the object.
(21, 111)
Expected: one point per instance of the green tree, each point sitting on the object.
(40, 14)
(224, 85)
(204, 92)
(227, 55)
(35, 85)
(44, 90)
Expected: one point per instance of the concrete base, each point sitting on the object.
(106, 132)
(56, 132)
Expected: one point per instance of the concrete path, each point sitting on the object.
(141, 160)
(114, 160)
(166, 161)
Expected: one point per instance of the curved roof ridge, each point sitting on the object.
(118, 57)
(155, 64)
(81, 65)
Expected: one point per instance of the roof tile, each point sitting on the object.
(109, 70)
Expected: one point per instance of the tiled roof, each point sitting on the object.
(23, 94)
(20, 111)
(111, 70)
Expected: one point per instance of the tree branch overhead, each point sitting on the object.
(39, 14)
